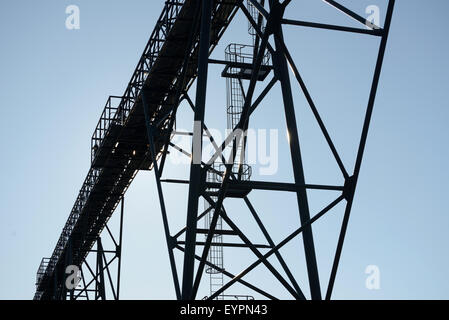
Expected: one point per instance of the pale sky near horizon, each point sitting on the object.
(54, 83)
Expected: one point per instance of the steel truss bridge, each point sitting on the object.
(135, 132)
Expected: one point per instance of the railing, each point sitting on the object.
(107, 117)
(80, 202)
(41, 271)
(118, 114)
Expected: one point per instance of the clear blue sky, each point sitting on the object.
(54, 83)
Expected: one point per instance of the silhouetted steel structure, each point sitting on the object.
(135, 130)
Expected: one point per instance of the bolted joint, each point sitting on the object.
(172, 242)
(349, 188)
(274, 24)
(223, 213)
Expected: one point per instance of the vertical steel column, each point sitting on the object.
(179, 88)
(119, 248)
(196, 175)
(84, 283)
(352, 181)
(281, 69)
(55, 284)
(100, 292)
(67, 262)
(169, 240)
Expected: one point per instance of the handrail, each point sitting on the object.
(119, 115)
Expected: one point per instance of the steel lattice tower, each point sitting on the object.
(135, 133)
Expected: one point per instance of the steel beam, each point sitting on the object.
(352, 181)
(280, 65)
(196, 176)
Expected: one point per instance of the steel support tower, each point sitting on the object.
(135, 133)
